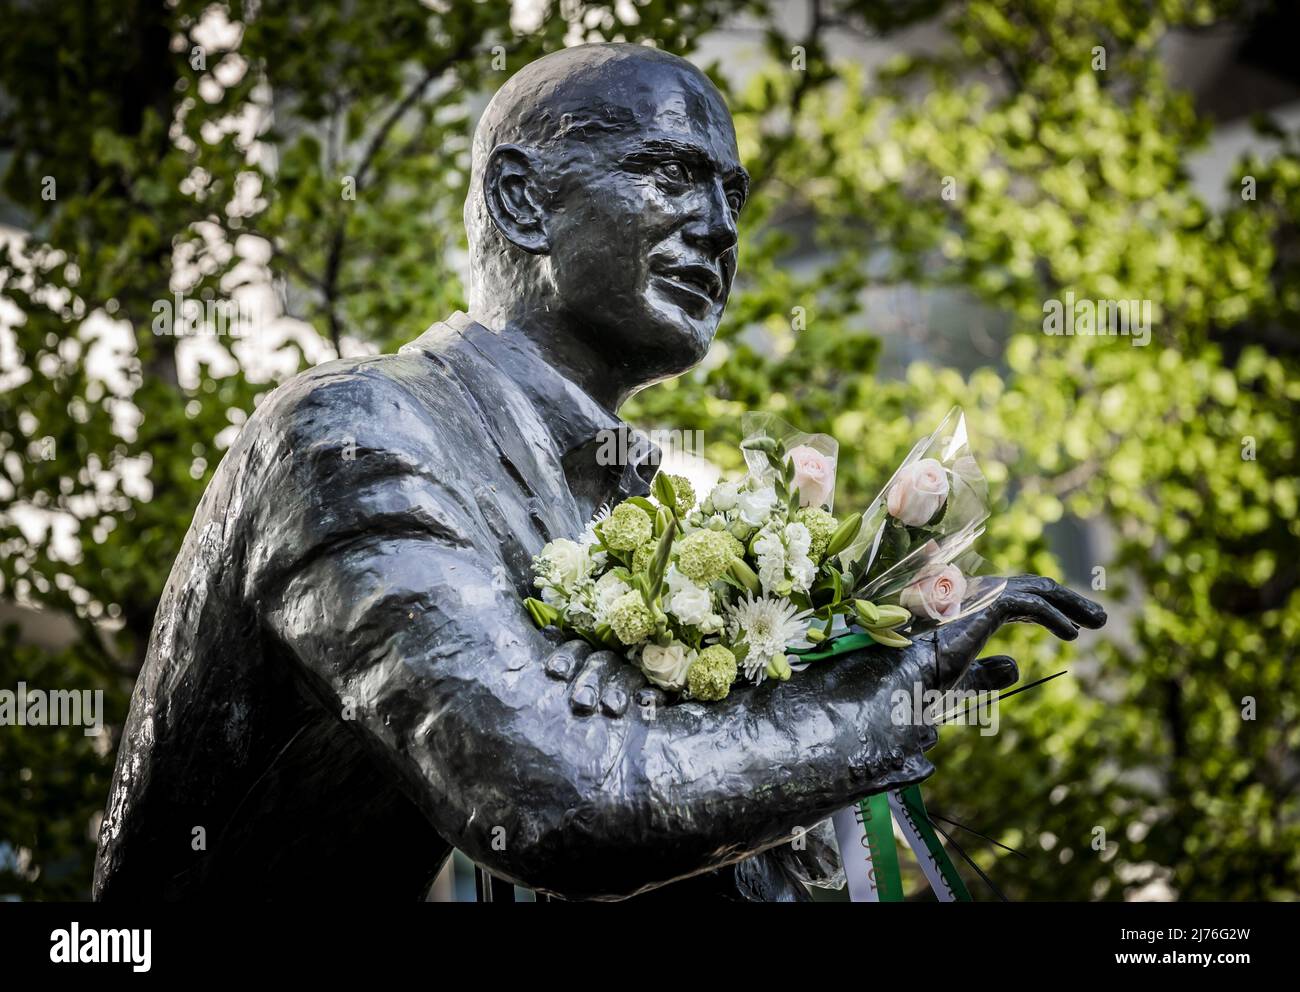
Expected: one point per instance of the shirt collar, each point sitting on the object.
(604, 458)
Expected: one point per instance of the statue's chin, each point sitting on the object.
(672, 348)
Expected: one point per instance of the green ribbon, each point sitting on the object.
(910, 799)
(878, 824)
(836, 646)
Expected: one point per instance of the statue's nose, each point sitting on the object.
(713, 228)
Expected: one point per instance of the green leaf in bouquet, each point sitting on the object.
(762, 443)
(604, 634)
(543, 614)
(644, 503)
(792, 504)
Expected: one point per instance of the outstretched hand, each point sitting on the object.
(1026, 599)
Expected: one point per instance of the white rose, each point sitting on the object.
(691, 604)
(814, 475)
(725, 495)
(570, 562)
(667, 667)
(756, 505)
(936, 593)
(918, 492)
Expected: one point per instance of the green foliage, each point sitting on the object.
(1064, 178)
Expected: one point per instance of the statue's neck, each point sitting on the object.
(565, 348)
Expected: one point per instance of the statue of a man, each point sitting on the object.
(342, 681)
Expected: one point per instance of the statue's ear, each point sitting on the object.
(510, 188)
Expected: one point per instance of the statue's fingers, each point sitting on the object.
(584, 694)
(993, 673)
(620, 689)
(1026, 607)
(567, 660)
(1080, 609)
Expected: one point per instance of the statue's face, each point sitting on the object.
(642, 225)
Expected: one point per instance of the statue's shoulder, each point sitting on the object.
(392, 401)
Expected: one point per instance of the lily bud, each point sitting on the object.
(779, 668)
(844, 534)
(889, 638)
(743, 574)
(893, 616)
(867, 612)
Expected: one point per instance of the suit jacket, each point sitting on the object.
(342, 681)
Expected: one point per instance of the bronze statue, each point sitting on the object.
(342, 681)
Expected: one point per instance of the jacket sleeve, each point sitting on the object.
(371, 566)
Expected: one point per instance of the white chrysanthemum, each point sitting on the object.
(588, 536)
(769, 627)
(756, 505)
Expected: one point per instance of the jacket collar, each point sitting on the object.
(604, 458)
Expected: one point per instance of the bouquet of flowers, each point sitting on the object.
(760, 578)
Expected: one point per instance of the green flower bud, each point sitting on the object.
(893, 616)
(627, 528)
(704, 555)
(844, 534)
(630, 619)
(711, 674)
(779, 668)
(741, 530)
(743, 574)
(889, 638)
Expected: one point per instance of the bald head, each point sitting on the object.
(600, 174)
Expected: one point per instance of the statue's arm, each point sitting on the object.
(448, 680)
(367, 561)
(374, 575)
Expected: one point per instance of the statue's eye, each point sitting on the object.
(674, 171)
(735, 200)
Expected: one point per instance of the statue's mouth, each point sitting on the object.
(698, 287)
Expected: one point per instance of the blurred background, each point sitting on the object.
(200, 199)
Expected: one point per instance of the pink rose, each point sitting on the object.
(918, 492)
(936, 593)
(814, 475)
